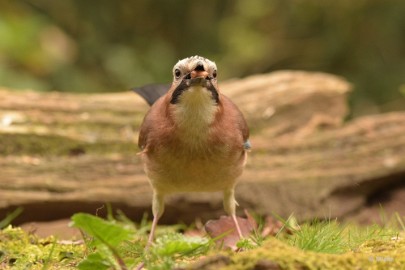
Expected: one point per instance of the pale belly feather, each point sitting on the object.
(172, 174)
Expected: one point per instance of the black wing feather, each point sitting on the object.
(151, 92)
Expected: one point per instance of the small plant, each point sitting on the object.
(10, 217)
(175, 248)
(318, 236)
(329, 236)
(117, 244)
(103, 239)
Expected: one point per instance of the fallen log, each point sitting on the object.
(64, 153)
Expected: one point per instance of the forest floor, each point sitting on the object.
(117, 243)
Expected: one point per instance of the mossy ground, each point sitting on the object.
(22, 250)
(52, 145)
(372, 254)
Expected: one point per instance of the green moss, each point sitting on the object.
(370, 255)
(20, 250)
(53, 145)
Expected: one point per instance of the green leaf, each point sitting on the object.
(10, 217)
(107, 232)
(171, 244)
(94, 261)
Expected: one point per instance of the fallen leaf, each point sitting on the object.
(271, 226)
(223, 230)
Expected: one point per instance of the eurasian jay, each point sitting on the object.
(193, 139)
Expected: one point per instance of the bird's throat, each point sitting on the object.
(187, 84)
(195, 112)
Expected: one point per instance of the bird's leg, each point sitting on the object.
(235, 220)
(157, 210)
(229, 206)
(152, 232)
(158, 207)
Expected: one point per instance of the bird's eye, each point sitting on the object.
(214, 74)
(177, 73)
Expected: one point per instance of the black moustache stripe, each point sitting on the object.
(178, 91)
(185, 85)
(214, 92)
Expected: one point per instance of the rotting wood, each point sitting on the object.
(63, 153)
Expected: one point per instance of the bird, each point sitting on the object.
(193, 139)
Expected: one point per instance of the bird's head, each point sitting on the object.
(194, 78)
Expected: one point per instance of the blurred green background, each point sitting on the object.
(96, 46)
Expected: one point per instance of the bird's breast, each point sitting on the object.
(195, 106)
(195, 162)
(180, 170)
(201, 151)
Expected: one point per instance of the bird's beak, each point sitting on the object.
(199, 76)
(199, 71)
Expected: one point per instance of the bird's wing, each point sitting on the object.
(154, 120)
(151, 92)
(143, 133)
(241, 122)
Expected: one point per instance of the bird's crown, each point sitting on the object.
(190, 63)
